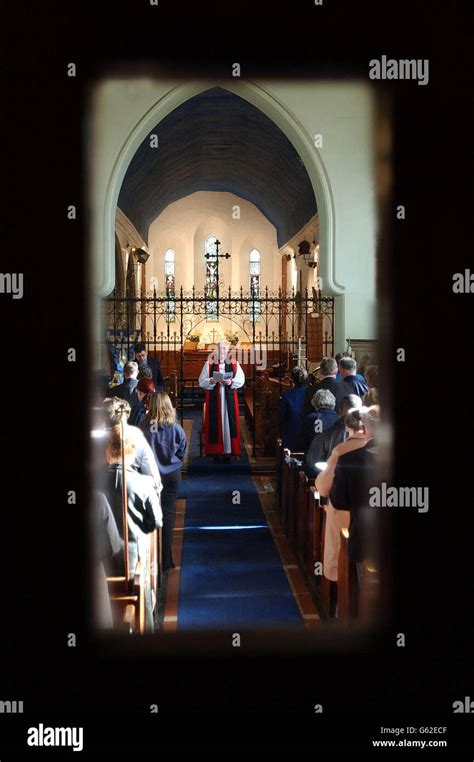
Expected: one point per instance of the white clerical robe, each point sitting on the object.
(237, 382)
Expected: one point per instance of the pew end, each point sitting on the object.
(125, 592)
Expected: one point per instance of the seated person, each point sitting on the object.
(291, 403)
(322, 445)
(325, 416)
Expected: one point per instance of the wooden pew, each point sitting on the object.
(293, 497)
(127, 624)
(347, 583)
(279, 465)
(314, 548)
(202, 430)
(129, 592)
(285, 488)
(156, 576)
(368, 592)
(302, 518)
(325, 586)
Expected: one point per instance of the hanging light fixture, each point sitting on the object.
(304, 250)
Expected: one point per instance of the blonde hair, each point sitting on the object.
(114, 448)
(161, 411)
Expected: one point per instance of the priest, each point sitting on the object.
(221, 376)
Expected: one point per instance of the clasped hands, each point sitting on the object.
(227, 381)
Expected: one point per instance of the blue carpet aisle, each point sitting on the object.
(231, 571)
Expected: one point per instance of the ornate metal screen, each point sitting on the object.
(284, 328)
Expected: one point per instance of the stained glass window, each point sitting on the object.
(170, 286)
(211, 277)
(254, 273)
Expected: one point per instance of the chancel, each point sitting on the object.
(240, 263)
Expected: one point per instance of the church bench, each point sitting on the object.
(127, 624)
(302, 518)
(368, 592)
(129, 592)
(294, 466)
(347, 582)
(156, 576)
(285, 488)
(202, 430)
(324, 583)
(279, 463)
(248, 406)
(314, 550)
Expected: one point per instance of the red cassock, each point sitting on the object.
(214, 437)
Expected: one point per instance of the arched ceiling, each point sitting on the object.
(218, 141)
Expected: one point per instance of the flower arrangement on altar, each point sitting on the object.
(191, 341)
(232, 338)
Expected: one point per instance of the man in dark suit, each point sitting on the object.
(354, 381)
(327, 375)
(147, 365)
(323, 444)
(354, 475)
(125, 390)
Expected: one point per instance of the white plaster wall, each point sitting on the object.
(184, 226)
(124, 111)
(343, 115)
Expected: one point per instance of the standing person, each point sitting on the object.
(322, 445)
(355, 382)
(148, 364)
(113, 412)
(221, 422)
(291, 405)
(144, 513)
(327, 380)
(167, 440)
(324, 403)
(140, 401)
(337, 520)
(106, 545)
(125, 390)
(355, 472)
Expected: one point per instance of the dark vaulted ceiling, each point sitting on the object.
(217, 141)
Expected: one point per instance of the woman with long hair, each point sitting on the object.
(167, 440)
(141, 400)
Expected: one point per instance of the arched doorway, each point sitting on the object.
(104, 229)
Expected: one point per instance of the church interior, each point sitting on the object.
(233, 232)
